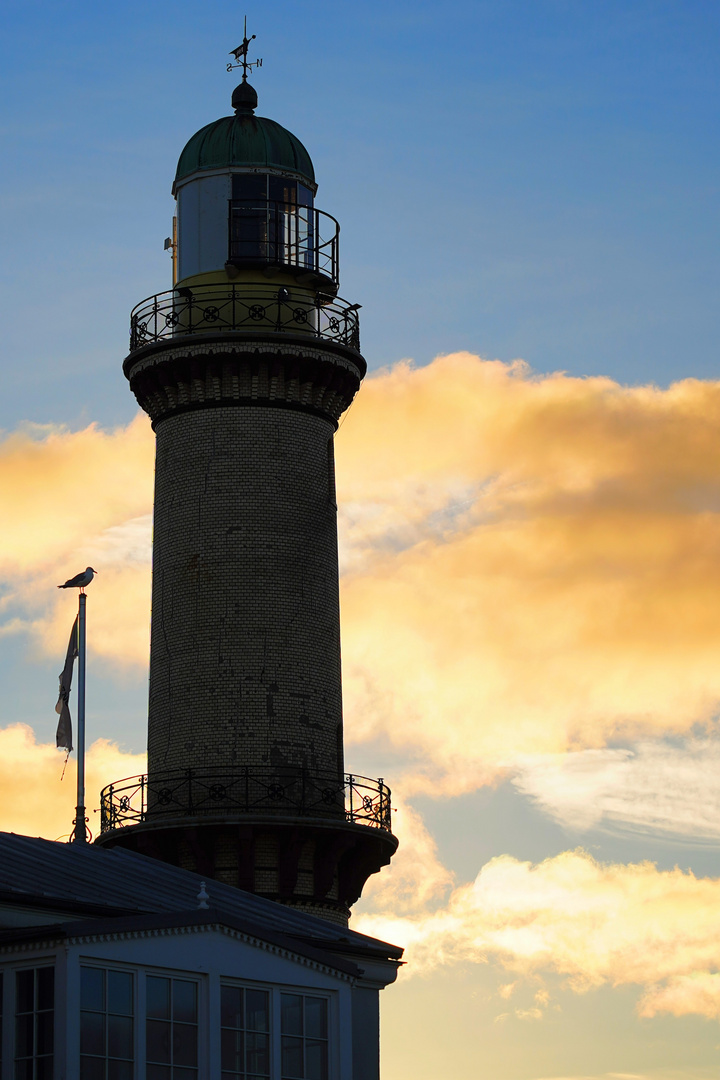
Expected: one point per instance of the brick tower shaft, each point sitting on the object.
(245, 652)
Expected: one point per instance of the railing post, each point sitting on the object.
(190, 800)
(143, 797)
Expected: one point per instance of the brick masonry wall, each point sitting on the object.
(245, 644)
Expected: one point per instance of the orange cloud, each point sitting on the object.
(60, 488)
(33, 799)
(536, 564)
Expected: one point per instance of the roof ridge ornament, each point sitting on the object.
(241, 53)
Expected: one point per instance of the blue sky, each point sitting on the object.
(534, 180)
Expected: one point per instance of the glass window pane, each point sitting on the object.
(232, 1050)
(305, 195)
(158, 1072)
(257, 1010)
(316, 1018)
(46, 988)
(184, 1044)
(292, 1014)
(92, 988)
(24, 996)
(24, 1070)
(158, 997)
(92, 1033)
(120, 992)
(258, 1054)
(283, 190)
(157, 1034)
(184, 1074)
(231, 1006)
(120, 1070)
(292, 1058)
(184, 1001)
(44, 1068)
(24, 1028)
(92, 1068)
(249, 186)
(120, 1036)
(315, 1060)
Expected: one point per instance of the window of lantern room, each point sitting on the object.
(271, 220)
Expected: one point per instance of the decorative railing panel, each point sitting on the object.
(247, 790)
(246, 308)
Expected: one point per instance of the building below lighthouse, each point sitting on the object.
(204, 936)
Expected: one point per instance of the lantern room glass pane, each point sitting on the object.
(249, 186)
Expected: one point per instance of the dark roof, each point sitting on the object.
(210, 919)
(245, 141)
(113, 882)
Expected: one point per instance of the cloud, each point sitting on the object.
(653, 788)
(33, 799)
(594, 924)
(535, 568)
(70, 500)
(59, 488)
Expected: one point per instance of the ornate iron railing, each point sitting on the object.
(247, 308)
(266, 232)
(245, 790)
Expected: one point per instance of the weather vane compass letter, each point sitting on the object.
(241, 54)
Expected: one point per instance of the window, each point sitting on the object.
(304, 1035)
(34, 1023)
(171, 1029)
(106, 1024)
(245, 1033)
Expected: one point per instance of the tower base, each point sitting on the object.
(319, 866)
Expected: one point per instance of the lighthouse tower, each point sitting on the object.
(245, 367)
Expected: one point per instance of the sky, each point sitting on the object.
(528, 480)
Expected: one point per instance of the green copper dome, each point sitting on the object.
(247, 141)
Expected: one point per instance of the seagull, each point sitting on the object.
(80, 580)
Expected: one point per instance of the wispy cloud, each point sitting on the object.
(653, 788)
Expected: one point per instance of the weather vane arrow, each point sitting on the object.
(241, 54)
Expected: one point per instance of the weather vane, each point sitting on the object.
(241, 53)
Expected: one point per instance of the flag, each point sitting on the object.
(63, 739)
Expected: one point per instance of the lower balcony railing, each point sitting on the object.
(246, 308)
(245, 790)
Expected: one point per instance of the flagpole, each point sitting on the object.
(80, 834)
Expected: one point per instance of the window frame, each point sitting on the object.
(275, 991)
(10, 1056)
(105, 967)
(202, 981)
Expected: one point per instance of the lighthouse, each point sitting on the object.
(245, 367)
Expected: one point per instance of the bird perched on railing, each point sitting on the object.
(80, 581)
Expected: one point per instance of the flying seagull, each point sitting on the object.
(80, 580)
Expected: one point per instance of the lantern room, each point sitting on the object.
(245, 189)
